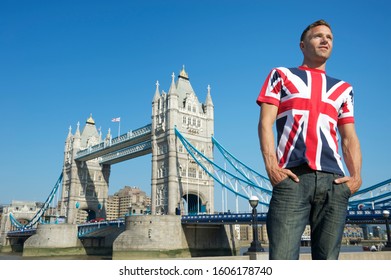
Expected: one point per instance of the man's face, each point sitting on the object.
(317, 44)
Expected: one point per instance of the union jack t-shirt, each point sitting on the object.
(311, 105)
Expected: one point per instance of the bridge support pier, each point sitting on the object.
(211, 240)
(13, 245)
(54, 240)
(164, 236)
(151, 237)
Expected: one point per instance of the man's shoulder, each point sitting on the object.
(284, 71)
(334, 80)
(284, 68)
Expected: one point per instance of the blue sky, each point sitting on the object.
(62, 60)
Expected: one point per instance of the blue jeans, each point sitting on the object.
(316, 200)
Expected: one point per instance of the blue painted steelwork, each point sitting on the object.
(377, 195)
(127, 153)
(15, 222)
(21, 232)
(248, 173)
(365, 217)
(220, 175)
(225, 218)
(263, 187)
(41, 211)
(353, 217)
(126, 140)
(95, 229)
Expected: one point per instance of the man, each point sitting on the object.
(309, 184)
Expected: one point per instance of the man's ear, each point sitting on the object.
(301, 45)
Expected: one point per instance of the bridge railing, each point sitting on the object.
(131, 135)
(41, 211)
(353, 216)
(144, 146)
(21, 232)
(378, 195)
(226, 218)
(90, 228)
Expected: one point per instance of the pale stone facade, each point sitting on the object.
(85, 184)
(179, 185)
(23, 212)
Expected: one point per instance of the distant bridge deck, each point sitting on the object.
(353, 217)
(227, 218)
(91, 230)
(125, 141)
(99, 229)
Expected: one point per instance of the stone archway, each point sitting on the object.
(193, 204)
(85, 215)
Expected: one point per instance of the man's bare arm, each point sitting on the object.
(267, 118)
(352, 157)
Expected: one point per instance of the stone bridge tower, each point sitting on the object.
(179, 185)
(85, 184)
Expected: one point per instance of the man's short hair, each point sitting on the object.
(312, 25)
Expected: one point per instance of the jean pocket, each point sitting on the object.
(346, 189)
(282, 182)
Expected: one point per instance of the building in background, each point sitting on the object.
(127, 201)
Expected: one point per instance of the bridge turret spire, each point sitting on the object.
(208, 100)
(69, 132)
(76, 139)
(90, 120)
(172, 89)
(157, 94)
(183, 73)
(209, 111)
(77, 133)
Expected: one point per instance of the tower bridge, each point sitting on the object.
(88, 158)
(181, 142)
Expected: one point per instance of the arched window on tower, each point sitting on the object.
(90, 191)
(192, 172)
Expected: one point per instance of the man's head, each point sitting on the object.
(312, 25)
(316, 43)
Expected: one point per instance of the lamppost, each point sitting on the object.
(386, 214)
(255, 244)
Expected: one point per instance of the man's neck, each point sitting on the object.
(312, 69)
(314, 65)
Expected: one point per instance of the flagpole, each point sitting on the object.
(118, 120)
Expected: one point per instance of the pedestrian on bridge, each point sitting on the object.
(308, 108)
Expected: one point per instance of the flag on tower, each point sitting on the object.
(118, 120)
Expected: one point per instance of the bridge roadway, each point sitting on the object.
(353, 217)
(129, 145)
(98, 229)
